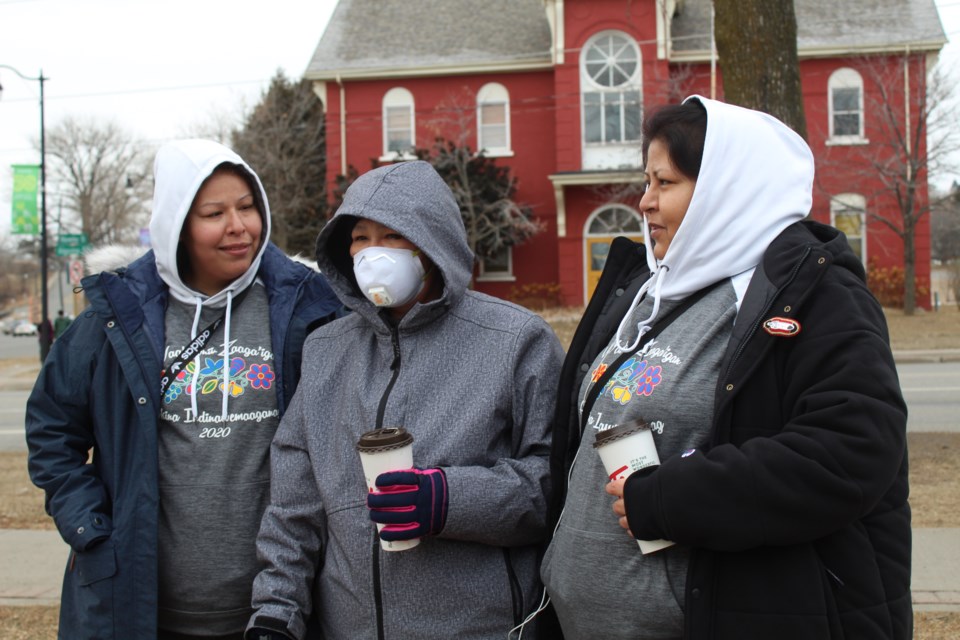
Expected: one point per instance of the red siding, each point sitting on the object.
(546, 134)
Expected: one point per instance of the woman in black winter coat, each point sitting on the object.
(773, 399)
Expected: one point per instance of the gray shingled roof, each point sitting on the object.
(382, 35)
(853, 25)
(379, 37)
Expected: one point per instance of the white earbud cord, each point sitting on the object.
(545, 599)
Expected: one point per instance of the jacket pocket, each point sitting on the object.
(96, 564)
(87, 604)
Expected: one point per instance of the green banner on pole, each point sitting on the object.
(25, 182)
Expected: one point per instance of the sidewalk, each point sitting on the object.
(904, 356)
(34, 561)
(19, 374)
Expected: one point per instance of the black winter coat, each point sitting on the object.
(797, 513)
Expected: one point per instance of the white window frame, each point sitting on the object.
(617, 230)
(494, 94)
(398, 98)
(599, 213)
(623, 152)
(845, 78)
(849, 203)
(506, 275)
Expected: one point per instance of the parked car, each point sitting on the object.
(7, 325)
(25, 328)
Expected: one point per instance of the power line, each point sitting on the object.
(122, 92)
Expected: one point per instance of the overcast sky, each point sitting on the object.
(160, 70)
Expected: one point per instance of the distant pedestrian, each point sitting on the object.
(150, 424)
(60, 324)
(45, 337)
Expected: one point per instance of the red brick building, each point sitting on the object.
(556, 90)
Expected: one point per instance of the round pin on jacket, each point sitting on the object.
(778, 326)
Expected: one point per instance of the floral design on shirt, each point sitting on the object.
(633, 377)
(210, 378)
(260, 376)
(598, 372)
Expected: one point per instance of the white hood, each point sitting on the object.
(179, 170)
(756, 179)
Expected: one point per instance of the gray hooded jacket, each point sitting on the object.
(473, 378)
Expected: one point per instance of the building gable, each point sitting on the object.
(379, 38)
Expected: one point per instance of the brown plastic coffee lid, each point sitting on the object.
(619, 432)
(384, 439)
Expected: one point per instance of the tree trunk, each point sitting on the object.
(757, 50)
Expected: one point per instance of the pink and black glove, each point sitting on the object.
(411, 503)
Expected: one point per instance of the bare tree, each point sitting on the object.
(916, 134)
(485, 192)
(219, 123)
(16, 266)
(945, 237)
(283, 140)
(945, 226)
(101, 174)
(757, 49)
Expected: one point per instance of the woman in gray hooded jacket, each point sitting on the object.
(470, 376)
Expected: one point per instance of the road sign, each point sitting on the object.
(71, 244)
(76, 272)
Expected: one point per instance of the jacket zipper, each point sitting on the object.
(395, 367)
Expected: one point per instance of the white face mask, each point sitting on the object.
(388, 277)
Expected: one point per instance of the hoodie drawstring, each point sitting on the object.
(226, 354)
(656, 282)
(659, 271)
(196, 362)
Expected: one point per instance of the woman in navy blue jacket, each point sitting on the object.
(161, 519)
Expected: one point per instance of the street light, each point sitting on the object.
(45, 326)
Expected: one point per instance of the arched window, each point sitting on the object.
(610, 83)
(846, 107)
(493, 120)
(598, 232)
(615, 219)
(848, 214)
(398, 124)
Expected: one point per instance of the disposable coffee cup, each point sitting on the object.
(382, 450)
(626, 448)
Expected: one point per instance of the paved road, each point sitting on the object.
(12, 409)
(932, 392)
(19, 347)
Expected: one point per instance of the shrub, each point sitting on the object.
(886, 283)
(536, 296)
